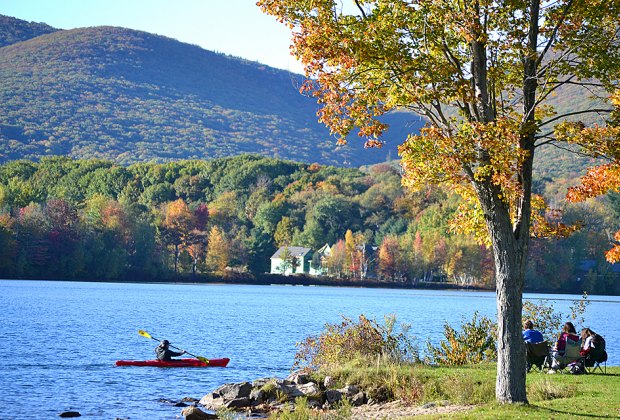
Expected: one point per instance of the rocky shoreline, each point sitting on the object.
(267, 395)
(262, 397)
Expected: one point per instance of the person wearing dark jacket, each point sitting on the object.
(164, 353)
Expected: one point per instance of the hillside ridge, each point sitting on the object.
(130, 96)
(126, 95)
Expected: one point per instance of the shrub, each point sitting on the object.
(475, 342)
(339, 343)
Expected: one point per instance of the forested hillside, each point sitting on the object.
(16, 30)
(94, 219)
(130, 96)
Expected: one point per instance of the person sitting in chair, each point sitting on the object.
(587, 338)
(530, 335)
(557, 354)
(164, 353)
(593, 349)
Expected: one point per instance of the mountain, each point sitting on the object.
(131, 96)
(14, 30)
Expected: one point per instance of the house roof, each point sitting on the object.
(325, 249)
(296, 251)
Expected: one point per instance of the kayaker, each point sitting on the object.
(164, 353)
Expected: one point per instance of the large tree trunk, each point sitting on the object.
(509, 251)
(510, 383)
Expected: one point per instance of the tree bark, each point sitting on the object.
(509, 251)
(510, 382)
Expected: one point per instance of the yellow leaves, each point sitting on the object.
(178, 216)
(475, 152)
(613, 255)
(546, 222)
(218, 251)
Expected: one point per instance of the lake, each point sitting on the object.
(61, 339)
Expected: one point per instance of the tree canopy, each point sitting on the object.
(482, 74)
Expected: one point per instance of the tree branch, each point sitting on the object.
(554, 32)
(359, 6)
(568, 114)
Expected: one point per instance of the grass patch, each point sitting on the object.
(550, 396)
(304, 412)
(416, 383)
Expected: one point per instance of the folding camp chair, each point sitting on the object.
(537, 354)
(595, 358)
(571, 354)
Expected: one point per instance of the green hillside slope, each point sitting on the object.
(16, 30)
(131, 96)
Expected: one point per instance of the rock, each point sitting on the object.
(310, 390)
(233, 391)
(329, 382)
(264, 381)
(298, 378)
(333, 396)
(189, 400)
(350, 390)
(315, 404)
(429, 405)
(358, 399)
(180, 404)
(195, 413)
(238, 403)
(68, 414)
(225, 393)
(212, 401)
(258, 395)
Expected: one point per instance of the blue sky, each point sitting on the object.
(235, 27)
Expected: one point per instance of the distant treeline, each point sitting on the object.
(94, 219)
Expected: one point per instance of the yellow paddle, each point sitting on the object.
(147, 335)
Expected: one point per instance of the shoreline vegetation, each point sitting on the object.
(361, 369)
(267, 279)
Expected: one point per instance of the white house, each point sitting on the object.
(290, 260)
(318, 267)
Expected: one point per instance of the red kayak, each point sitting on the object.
(175, 363)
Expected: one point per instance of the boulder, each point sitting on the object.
(264, 381)
(310, 389)
(329, 382)
(195, 413)
(333, 396)
(226, 393)
(350, 390)
(238, 403)
(305, 390)
(315, 404)
(233, 391)
(358, 399)
(298, 378)
(258, 395)
(212, 401)
(68, 414)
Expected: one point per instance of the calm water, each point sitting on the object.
(60, 339)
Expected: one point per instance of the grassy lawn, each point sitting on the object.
(550, 396)
(560, 396)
